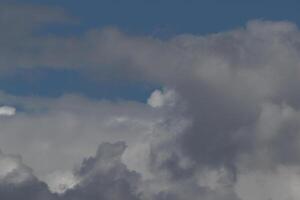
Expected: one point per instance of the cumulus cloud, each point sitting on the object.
(71, 127)
(103, 176)
(59, 182)
(12, 170)
(159, 98)
(227, 119)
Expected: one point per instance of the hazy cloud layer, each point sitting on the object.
(225, 126)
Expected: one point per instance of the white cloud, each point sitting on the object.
(7, 111)
(59, 181)
(160, 98)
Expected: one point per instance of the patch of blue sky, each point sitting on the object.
(163, 18)
(55, 83)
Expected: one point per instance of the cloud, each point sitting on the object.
(71, 127)
(12, 170)
(105, 176)
(7, 111)
(59, 182)
(159, 99)
(17, 180)
(228, 118)
(282, 183)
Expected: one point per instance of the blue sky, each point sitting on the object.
(169, 17)
(159, 19)
(54, 83)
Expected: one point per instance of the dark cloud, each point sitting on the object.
(18, 182)
(105, 176)
(32, 190)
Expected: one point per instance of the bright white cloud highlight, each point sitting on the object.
(59, 181)
(160, 98)
(7, 111)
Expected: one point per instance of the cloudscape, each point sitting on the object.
(149, 100)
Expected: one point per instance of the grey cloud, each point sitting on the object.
(13, 170)
(69, 128)
(30, 191)
(226, 81)
(234, 120)
(21, 25)
(105, 176)
(155, 131)
(23, 16)
(17, 181)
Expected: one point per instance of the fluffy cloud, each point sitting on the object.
(66, 129)
(17, 180)
(12, 170)
(105, 176)
(159, 99)
(229, 118)
(59, 182)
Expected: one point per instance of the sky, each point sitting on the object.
(158, 19)
(149, 100)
